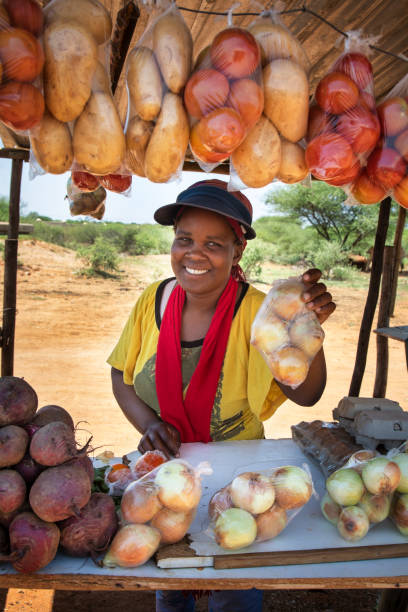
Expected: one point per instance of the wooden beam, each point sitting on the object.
(21, 154)
(121, 38)
(10, 271)
(381, 374)
(402, 215)
(372, 298)
(23, 228)
(191, 166)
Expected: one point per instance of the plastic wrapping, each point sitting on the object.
(274, 148)
(157, 70)
(286, 333)
(86, 203)
(257, 506)
(224, 96)
(156, 509)
(21, 63)
(387, 166)
(120, 475)
(360, 494)
(343, 126)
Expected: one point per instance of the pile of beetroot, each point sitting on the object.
(45, 484)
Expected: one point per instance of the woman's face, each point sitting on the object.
(203, 252)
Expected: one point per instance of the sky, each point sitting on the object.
(45, 195)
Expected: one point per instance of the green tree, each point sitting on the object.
(323, 208)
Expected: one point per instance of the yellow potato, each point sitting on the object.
(173, 47)
(70, 62)
(286, 91)
(100, 80)
(168, 142)
(52, 145)
(293, 166)
(137, 137)
(276, 42)
(91, 14)
(99, 141)
(258, 157)
(144, 84)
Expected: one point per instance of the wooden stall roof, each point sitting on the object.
(386, 20)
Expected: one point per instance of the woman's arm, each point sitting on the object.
(156, 434)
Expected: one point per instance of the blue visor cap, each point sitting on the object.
(211, 198)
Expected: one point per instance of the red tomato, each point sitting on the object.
(25, 14)
(329, 155)
(401, 144)
(235, 52)
(318, 122)
(21, 54)
(116, 182)
(336, 93)
(205, 90)
(247, 98)
(360, 127)
(348, 175)
(21, 105)
(222, 130)
(368, 100)
(358, 67)
(119, 473)
(367, 192)
(400, 193)
(201, 151)
(84, 180)
(393, 116)
(148, 462)
(386, 167)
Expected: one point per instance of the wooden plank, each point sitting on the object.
(10, 153)
(399, 332)
(23, 228)
(318, 555)
(381, 373)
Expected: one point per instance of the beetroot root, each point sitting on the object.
(13, 445)
(33, 543)
(53, 444)
(50, 413)
(28, 469)
(60, 492)
(12, 491)
(18, 401)
(92, 531)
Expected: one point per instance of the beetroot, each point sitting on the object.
(13, 445)
(50, 413)
(28, 468)
(84, 461)
(33, 543)
(60, 492)
(18, 401)
(91, 532)
(53, 444)
(12, 491)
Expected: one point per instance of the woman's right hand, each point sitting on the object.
(161, 436)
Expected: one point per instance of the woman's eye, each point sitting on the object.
(214, 245)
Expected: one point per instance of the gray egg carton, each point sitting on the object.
(373, 421)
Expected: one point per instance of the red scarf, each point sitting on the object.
(192, 416)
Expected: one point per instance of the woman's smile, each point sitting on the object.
(196, 271)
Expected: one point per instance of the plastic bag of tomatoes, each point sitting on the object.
(387, 166)
(224, 96)
(274, 148)
(21, 64)
(157, 70)
(343, 125)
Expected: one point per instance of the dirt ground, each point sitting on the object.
(67, 325)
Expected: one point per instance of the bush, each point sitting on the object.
(341, 273)
(252, 261)
(49, 233)
(328, 256)
(101, 257)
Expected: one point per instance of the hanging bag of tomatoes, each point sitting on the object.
(274, 147)
(157, 70)
(21, 64)
(343, 124)
(224, 95)
(387, 165)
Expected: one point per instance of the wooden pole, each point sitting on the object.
(10, 271)
(399, 230)
(372, 298)
(381, 375)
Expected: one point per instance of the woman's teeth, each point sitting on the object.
(195, 271)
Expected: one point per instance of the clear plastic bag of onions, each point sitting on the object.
(156, 509)
(257, 506)
(286, 333)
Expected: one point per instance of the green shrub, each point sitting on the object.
(49, 233)
(328, 256)
(341, 273)
(100, 257)
(252, 261)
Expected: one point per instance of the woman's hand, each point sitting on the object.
(161, 436)
(316, 295)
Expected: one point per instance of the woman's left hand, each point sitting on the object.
(316, 296)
